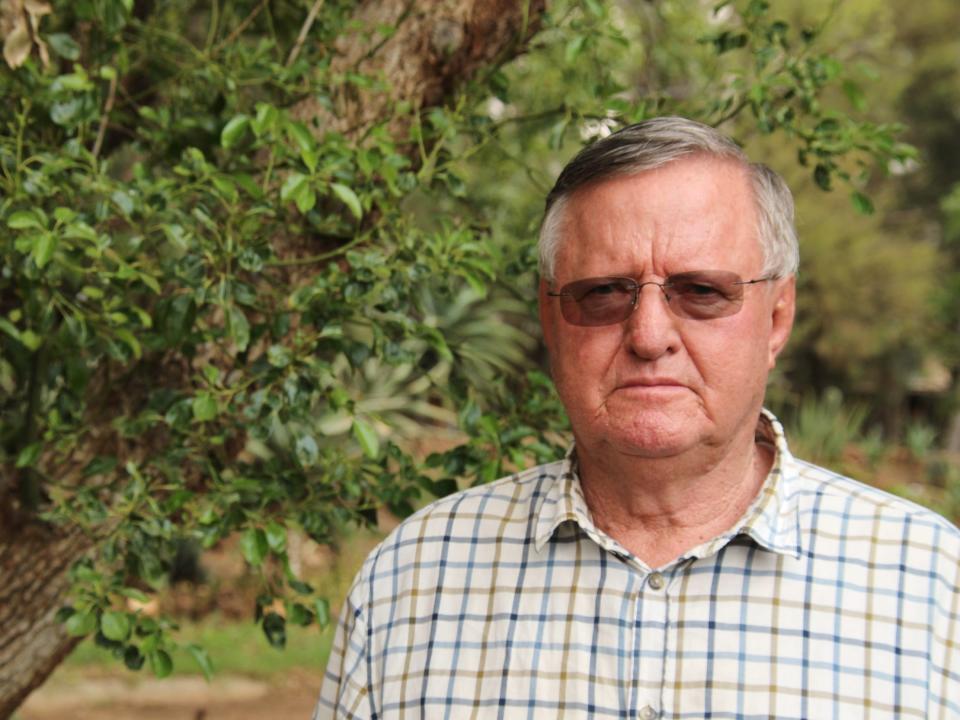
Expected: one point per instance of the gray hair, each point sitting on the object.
(652, 144)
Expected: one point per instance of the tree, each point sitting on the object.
(225, 226)
(143, 253)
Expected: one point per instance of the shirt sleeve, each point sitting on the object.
(346, 683)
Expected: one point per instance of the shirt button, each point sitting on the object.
(648, 713)
(656, 582)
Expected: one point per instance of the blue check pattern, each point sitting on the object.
(830, 599)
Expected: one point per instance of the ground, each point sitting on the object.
(96, 696)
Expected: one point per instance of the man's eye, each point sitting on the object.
(698, 291)
(605, 289)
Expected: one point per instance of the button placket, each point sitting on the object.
(652, 637)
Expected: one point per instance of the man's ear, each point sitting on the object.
(781, 321)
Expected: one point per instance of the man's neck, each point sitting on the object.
(659, 508)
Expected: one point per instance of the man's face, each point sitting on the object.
(657, 385)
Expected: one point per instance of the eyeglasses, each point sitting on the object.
(697, 295)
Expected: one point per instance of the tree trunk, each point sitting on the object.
(438, 45)
(34, 565)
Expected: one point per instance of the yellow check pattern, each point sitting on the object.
(830, 599)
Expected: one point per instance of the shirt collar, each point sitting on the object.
(772, 520)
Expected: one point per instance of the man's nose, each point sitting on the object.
(651, 329)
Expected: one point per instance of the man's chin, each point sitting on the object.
(653, 446)
(657, 436)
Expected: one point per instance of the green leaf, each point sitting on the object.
(349, 198)
(300, 586)
(81, 624)
(142, 315)
(297, 188)
(30, 339)
(254, 546)
(234, 130)
(306, 198)
(557, 133)
(275, 628)
(310, 158)
(65, 112)
(862, 203)
(28, 455)
(279, 356)
(827, 126)
(821, 176)
(248, 184)
(226, 187)
(150, 281)
(855, 95)
(205, 407)
(202, 659)
(133, 658)
(307, 451)
(100, 465)
(276, 537)
(134, 594)
(291, 186)
(9, 328)
(238, 327)
(298, 614)
(160, 663)
(44, 248)
(299, 133)
(130, 340)
(124, 201)
(321, 607)
(77, 81)
(367, 437)
(265, 119)
(574, 48)
(115, 625)
(64, 46)
(727, 41)
(23, 219)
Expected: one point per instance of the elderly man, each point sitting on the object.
(679, 562)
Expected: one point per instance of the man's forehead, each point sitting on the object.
(636, 225)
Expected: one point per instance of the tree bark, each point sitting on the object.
(34, 567)
(437, 46)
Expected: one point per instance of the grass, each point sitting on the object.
(237, 648)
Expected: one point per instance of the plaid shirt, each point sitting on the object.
(830, 599)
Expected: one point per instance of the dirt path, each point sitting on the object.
(91, 697)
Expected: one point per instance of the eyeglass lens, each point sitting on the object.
(698, 295)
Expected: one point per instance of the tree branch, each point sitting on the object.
(304, 31)
(102, 131)
(244, 24)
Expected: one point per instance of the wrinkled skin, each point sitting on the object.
(656, 385)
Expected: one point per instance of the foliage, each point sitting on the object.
(874, 447)
(919, 438)
(823, 427)
(217, 317)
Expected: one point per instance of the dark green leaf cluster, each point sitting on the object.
(218, 316)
